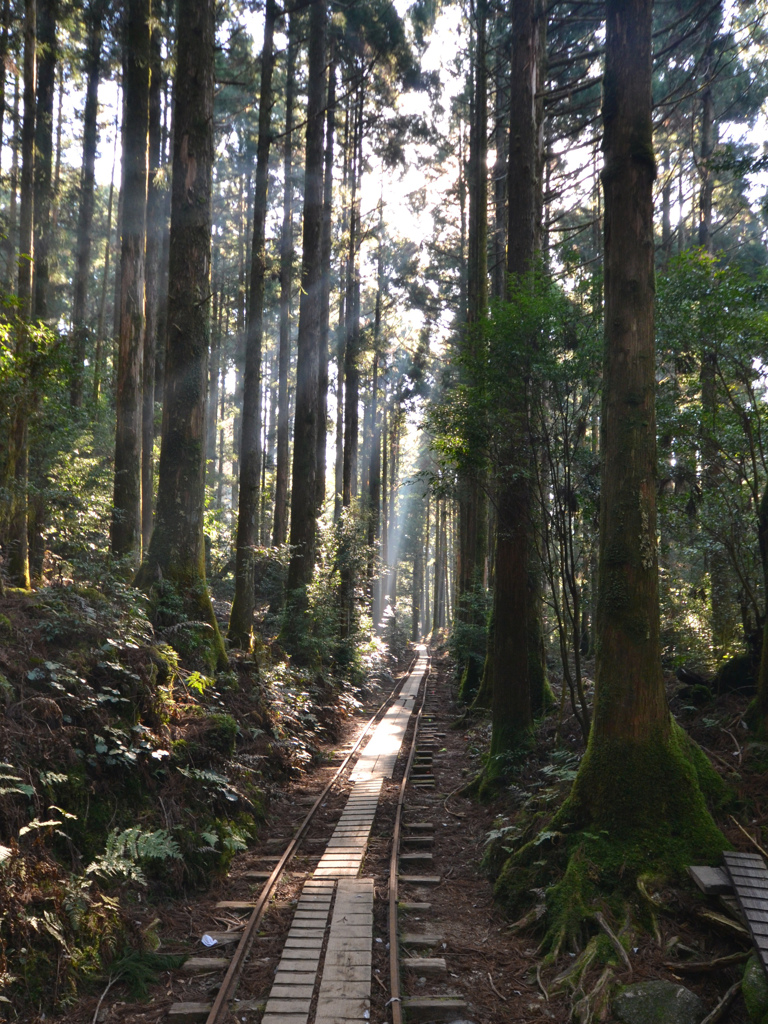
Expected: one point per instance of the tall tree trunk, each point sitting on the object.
(126, 516)
(9, 275)
(241, 618)
(153, 252)
(177, 549)
(638, 776)
(501, 137)
(18, 462)
(322, 432)
(98, 354)
(712, 469)
(280, 528)
(47, 13)
(4, 38)
(85, 214)
(515, 595)
(304, 488)
(473, 506)
(268, 493)
(213, 380)
(352, 318)
(426, 616)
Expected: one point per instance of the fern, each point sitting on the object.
(139, 970)
(125, 849)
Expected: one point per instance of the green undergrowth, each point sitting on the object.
(131, 772)
(604, 838)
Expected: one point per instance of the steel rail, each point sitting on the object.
(395, 1000)
(236, 964)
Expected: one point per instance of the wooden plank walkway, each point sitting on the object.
(344, 974)
(750, 883)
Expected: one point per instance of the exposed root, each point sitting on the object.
(571, 978)
(595, 1004)
(615, 942)
(534, 914)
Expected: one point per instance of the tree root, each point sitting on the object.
(595, 1004)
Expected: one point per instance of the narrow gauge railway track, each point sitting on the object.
(324, 972)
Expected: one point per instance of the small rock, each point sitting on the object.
(657, 1002)
(754, 988)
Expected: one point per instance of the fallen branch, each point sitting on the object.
(614, 940)
(754, 842)
(110, 983)
(456, 814)
(723, 1005)
(727, 922)
(694, 966)
(718, 758)
(738, 745)
(490, 981)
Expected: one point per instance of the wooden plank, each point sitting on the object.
(420, 879)
(712, 881)
(433, 1009)
(732, 856)
(188, 1013)
(420, 939)
(428, 965)
(201, 964)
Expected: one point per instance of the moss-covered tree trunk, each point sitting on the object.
(126, 513)
(639, 773)
(304, 489)
(241, 618)
(177, 551)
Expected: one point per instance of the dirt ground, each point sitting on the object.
(497, 972)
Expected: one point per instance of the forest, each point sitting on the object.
(333, 327)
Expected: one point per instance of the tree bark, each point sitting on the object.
(639, 774)
(47, 13)
(18, 462)
(241, 618)
(177, 549)
(9, 275)
(472, 500)
(304, 488)
(92, 68)
(515, 594)
(213, 383)
(98, 354)
(322, 433)
(352, 318)
(280, 528)
(154, 243)
(126, 516)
